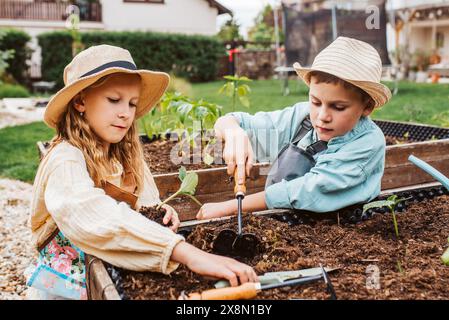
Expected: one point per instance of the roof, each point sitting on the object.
(221, 8)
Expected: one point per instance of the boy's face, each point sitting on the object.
(334, 110)
(111, 107)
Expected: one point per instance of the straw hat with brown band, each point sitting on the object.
(96, 62)
(354, 61)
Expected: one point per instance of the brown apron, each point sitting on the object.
(117, 193)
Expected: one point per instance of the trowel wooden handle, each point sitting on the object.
(239, 188)
(246, 291)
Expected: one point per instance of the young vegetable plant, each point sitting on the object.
(163, 118)
(197, 117)
(186, 117)
(391, 203)
(189, 181)
(235, 89)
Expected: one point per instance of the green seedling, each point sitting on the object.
(399, 266)
(391, 203)
(235, 89)
(188, 118)
(189, 181)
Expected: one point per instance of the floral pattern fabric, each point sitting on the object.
(59, 269)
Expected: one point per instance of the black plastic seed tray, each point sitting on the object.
(414, 132)
(354, 214)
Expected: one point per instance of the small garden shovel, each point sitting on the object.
(228, 242)
(250, 290)
(430, 170)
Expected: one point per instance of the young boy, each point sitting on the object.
(332, 161)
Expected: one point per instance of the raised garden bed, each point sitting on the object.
(409, 266)
(430, 144)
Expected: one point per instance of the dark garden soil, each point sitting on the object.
(409, 267)
(157, 156)
(153, 213)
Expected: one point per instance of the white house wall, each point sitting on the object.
(174, 16)
(420, 38)
(396, 4)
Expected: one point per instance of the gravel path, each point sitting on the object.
(8, 119)
(16, 251)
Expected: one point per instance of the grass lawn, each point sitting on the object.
(414, 102)
(18, 150)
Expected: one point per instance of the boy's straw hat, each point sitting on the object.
(98, 61)
(354, 61)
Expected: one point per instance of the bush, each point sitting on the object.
(192, 57)
(17, 40)
(13, 91)
(56, 54)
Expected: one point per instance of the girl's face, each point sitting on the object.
(110, 108)
(334, 110)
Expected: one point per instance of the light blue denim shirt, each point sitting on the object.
(348, 172)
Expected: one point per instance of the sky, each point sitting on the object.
(245, 11)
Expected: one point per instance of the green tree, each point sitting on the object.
(230, 31)
(5, 55)
(263, 29)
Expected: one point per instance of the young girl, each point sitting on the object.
(330, 154)
(93, 180)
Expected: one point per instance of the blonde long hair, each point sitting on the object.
(74, 129)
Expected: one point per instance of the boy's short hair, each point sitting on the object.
(323, 77)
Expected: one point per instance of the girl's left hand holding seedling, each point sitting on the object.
(171, 215)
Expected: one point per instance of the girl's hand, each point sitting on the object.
(171, 215)
(211, 265)
(215, 210)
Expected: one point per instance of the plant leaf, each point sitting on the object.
(182, 173)
(392, 198)
(241, 91)
(377, 204)
(245, 79)
(244, 101)
(445, 257)
(222, 89)
(189, 183)
(231, 78)
(230, 87)
(208, 159)
(246, 87)
(200, 112)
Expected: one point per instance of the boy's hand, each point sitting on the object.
(238, 153)
(215, 210)
(171, 215)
